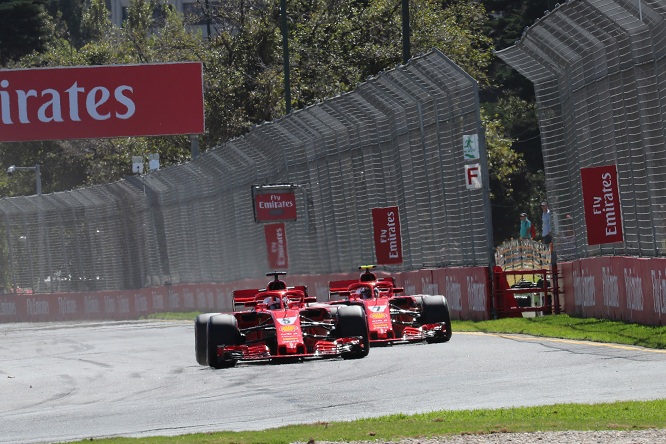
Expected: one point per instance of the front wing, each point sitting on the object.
(322, 349)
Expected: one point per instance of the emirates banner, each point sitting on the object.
(276, 245)
(101, 101)
(275, 206)
(601, 198)
(388, 243)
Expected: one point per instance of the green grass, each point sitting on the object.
(563, 326)
(188, 316)
(606, 416)
(609, 416)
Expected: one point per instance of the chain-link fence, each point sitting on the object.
(599, 73)
(396, 140)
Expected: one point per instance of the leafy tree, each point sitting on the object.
(244, 76)
(510, 97)
(68, 14)
(505, 168)
(336, 44)
(23, 28)
(95, 23)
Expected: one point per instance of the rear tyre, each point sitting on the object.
(352, 322)
(200, 338)
(435, 311)
(222, 330)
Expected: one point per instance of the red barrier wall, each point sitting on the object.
(617, 288)
(465, 288)
(467, 291)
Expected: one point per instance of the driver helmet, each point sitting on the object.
(273, 303)
(364, 293)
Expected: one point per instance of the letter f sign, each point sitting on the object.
(473, 176)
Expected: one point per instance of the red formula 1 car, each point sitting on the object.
(280, 323)
(393, 318)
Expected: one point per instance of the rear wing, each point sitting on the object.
(249, 297)
(337, 286)
(389, 282)
(241, 297)
(307, 299)
(341, 288)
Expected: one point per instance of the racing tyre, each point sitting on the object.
(436, 310)
(352, 322)
(200, 342)
(222, 330)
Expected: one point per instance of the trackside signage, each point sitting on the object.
(601, 199)
(276, 245)
(101, 101)
(275, 206)
(388, 244)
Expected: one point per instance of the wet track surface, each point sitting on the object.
(63, 382)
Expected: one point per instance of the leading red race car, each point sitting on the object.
(280, 323)
(392, 317)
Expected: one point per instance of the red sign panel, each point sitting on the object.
(276, 245)
(101, 101)
(274, 206)
(601, 198)
(388, 244)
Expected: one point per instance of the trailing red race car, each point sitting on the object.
(393, 318)
(280, 323)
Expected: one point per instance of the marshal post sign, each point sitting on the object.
(101, 101)
(601, 198)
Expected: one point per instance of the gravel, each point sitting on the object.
(648, 436)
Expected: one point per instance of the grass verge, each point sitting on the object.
(608, 416)
(566, 327)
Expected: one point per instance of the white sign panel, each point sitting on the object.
(154, 161)
(471, 146)
(137, 164)
(473, 176)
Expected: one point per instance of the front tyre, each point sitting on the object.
(436, 311)
(222, 330)
(200, 337)
(352, 323)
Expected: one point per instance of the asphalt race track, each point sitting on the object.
(64, 382)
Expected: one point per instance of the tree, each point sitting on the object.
(95, 23)
(506, 167)
(336, 44)
(244, 76)
(23, 28)
(68, 14)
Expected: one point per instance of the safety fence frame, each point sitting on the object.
(599, 73)
(396, 140)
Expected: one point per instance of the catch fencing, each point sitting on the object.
(599, 73)
(396, 140)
